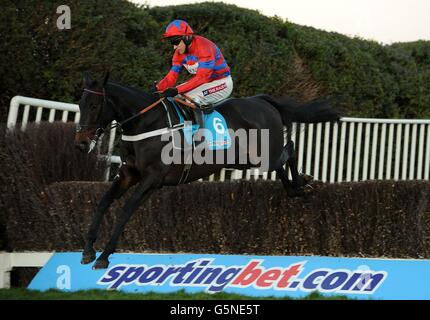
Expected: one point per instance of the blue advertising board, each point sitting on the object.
(262, 276)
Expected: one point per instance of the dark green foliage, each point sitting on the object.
(267, 55)
(38, 60)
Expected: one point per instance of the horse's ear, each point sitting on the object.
(88, 79)
(106, 78)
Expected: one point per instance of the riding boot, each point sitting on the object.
(198, 116)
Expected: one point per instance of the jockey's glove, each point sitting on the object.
(154, 88)
(170, 92)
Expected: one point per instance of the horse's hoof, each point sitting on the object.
(101, 264)
(88, 257)
(304, 179)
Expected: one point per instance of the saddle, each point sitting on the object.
(192, 111)
(183, 108)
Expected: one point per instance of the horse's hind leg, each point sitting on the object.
(126, 178)
(298, 180)
(288, 158)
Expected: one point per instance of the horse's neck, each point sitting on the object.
(127, 104)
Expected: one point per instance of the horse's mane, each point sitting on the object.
(138, 93)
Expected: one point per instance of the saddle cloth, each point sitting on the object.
(216, 134)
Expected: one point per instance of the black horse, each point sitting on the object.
(103, 101)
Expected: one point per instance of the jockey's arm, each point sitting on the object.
(170, 79)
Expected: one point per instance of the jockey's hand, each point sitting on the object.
(154, 88)
(170, 92)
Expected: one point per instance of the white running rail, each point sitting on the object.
(354, 149)
(20, 108)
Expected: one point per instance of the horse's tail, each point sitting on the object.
(318, 110)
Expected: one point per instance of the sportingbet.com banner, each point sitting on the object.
(293, 276)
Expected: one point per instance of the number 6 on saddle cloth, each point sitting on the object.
(215, 134)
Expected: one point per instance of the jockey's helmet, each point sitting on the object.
(178, 28)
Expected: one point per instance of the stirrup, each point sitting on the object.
(207, 109)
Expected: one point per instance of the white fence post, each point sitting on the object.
(5, 269)
(10, 260)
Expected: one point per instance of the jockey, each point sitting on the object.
(211, 82)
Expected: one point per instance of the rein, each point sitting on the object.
(96, 92)
(128, 119)
(141, 112)
(181, 101)
(187, 104)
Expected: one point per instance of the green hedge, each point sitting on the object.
(33, 159)
(267, 55)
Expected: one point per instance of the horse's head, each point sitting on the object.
(94, 113)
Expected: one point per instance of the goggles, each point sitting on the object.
(174, 41)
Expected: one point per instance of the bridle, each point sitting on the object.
(85, 128)
(80, 127)
(100, 131)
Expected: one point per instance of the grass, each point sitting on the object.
(25, 294)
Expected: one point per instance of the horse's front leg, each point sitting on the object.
(127, 178)
(141, 193)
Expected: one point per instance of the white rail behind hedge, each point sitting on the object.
(355, 149)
